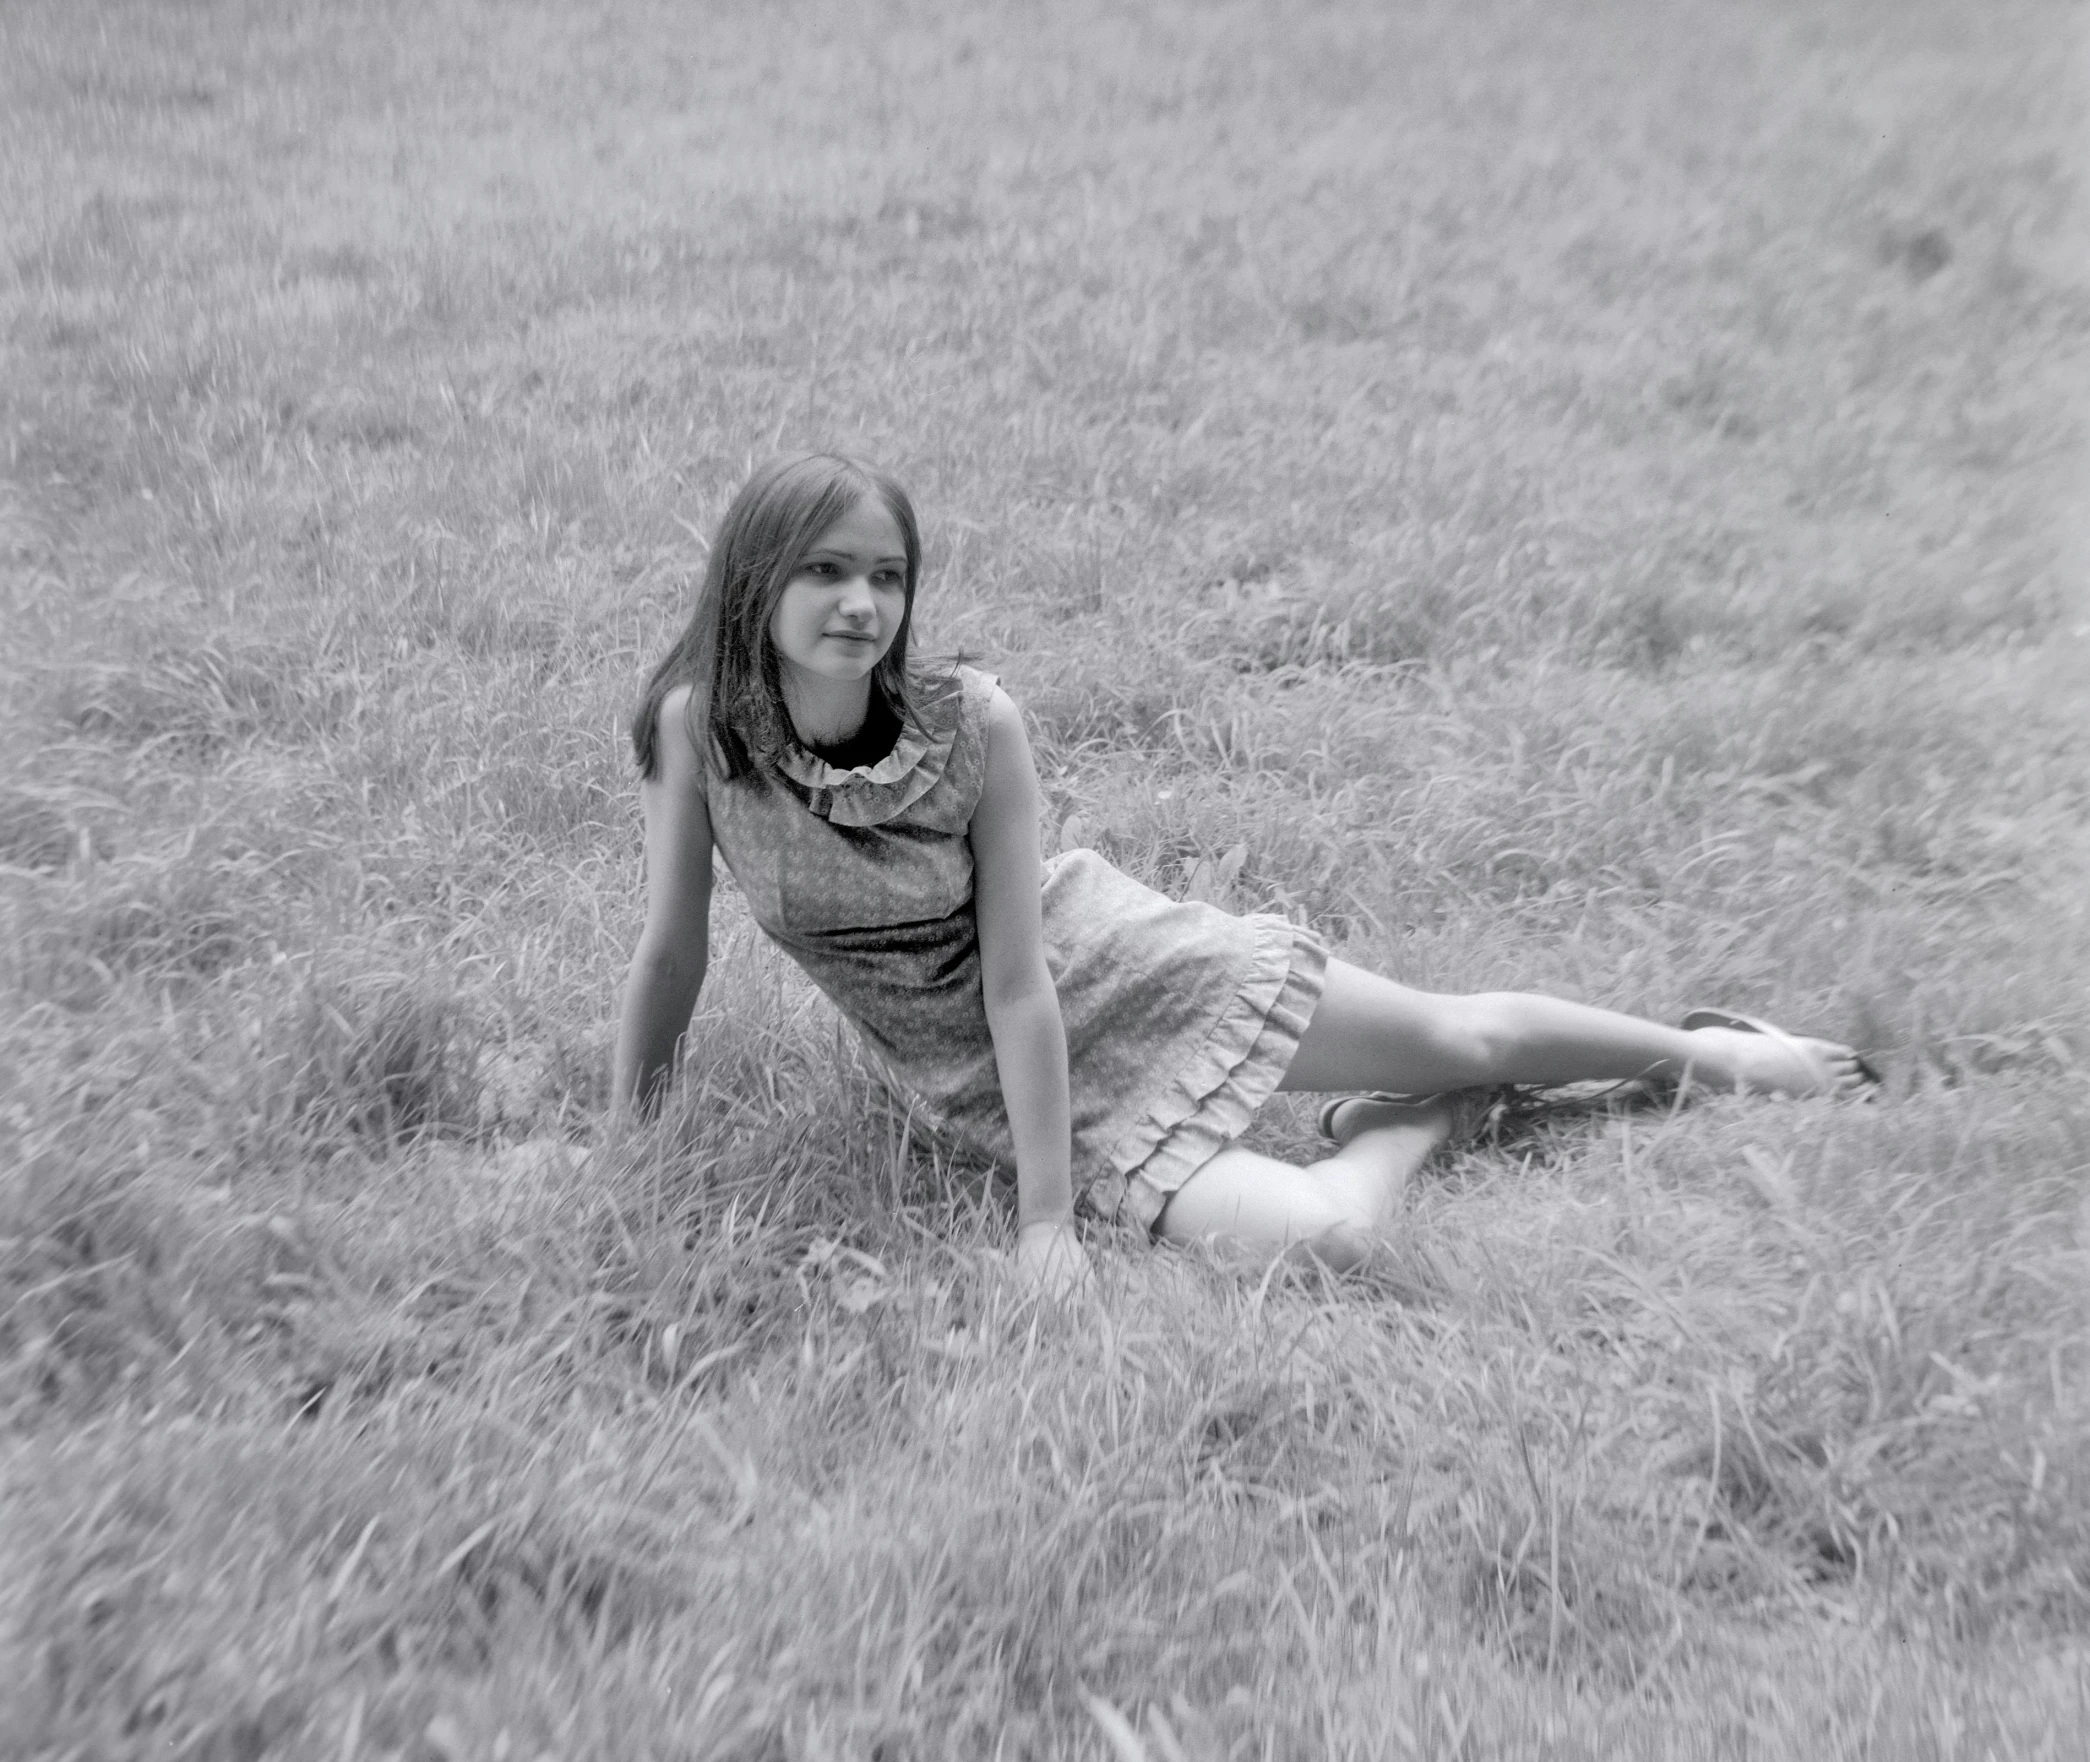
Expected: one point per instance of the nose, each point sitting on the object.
(857, 603)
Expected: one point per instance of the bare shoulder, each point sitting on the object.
(678, 821)
(1008, 742)
(1003, 717)
(1009, 791)
(679, 765)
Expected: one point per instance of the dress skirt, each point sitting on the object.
(1181, 1021)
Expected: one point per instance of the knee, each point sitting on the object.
(1342, 1246)
(1469, 1037)
(1342, 1228)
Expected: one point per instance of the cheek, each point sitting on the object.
(788, 616)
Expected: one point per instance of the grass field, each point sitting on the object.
(1588, 493)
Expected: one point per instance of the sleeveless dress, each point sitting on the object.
(1180, 1018)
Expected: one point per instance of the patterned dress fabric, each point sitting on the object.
(1180, 1018)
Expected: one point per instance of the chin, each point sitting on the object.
(844, 672)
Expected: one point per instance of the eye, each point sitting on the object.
(823, 570)
(889, 578)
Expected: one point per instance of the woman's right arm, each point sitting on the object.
(667, 971)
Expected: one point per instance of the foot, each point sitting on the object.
(1348, 1117)
(1753, 1062)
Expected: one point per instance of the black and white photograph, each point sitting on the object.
(1115, 880)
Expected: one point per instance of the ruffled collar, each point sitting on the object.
(870, 795)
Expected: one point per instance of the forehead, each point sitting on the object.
(867, 530)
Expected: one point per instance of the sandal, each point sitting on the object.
(1507, 1112)
(1325, 1119)
(1868, 1075)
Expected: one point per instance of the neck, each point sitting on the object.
(826, 712)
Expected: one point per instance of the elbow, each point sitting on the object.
(1018, 993)
(666, 965)
(661, 963)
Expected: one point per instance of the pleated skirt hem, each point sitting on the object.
(1216, 1092)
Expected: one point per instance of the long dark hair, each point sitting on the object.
(725, 655)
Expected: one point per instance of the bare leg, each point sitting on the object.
(1331, 1209)
(1369, 1033)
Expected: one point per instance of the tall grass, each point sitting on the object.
(1578, 498)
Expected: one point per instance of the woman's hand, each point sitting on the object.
(1050, 1261)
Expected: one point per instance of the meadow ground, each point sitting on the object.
(1580, 493)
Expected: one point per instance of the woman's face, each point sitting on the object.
(846, 600)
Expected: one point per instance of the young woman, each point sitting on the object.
(882, 821)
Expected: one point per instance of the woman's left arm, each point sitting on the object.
(1023, 1009)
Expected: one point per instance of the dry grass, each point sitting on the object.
(1575, 497)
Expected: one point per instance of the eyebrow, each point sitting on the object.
(844, 552)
